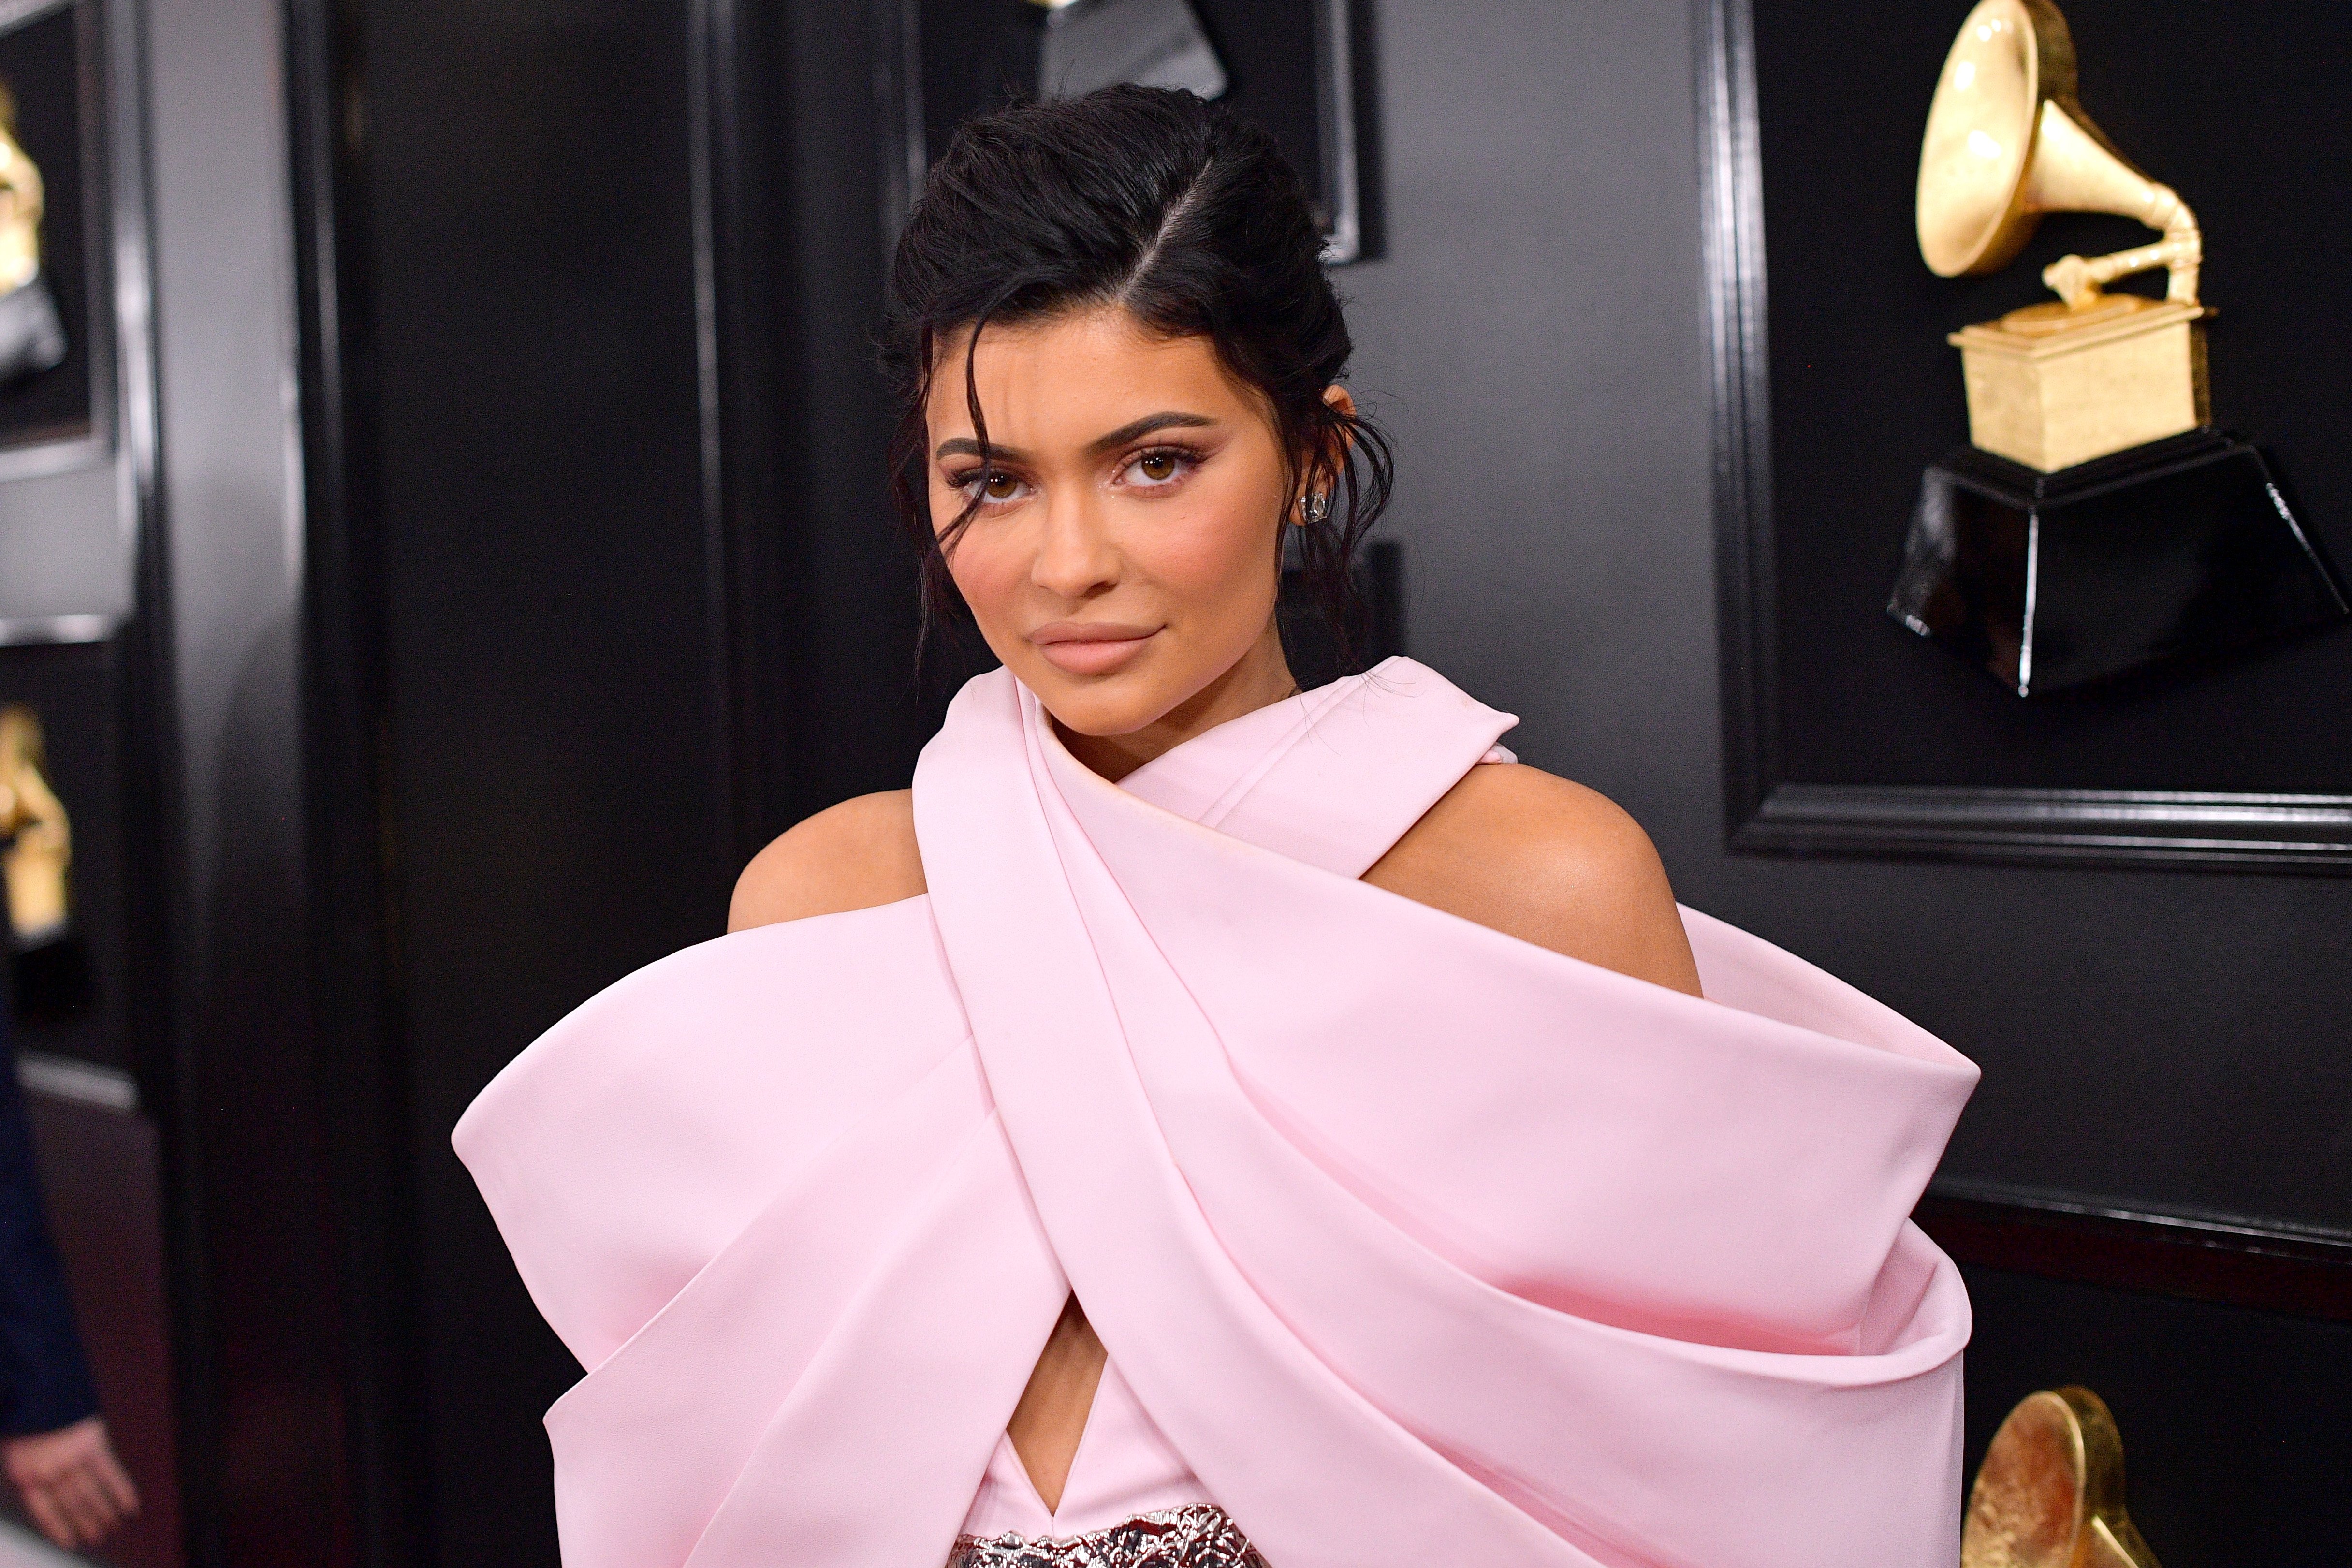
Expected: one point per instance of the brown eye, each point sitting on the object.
(1157, 467)
(1000, 487)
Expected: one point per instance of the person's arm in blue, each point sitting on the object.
(53, 1443)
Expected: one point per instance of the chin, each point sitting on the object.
(1103, 706)
(1116, 703)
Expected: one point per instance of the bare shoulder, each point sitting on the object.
(1538, 857)
(852, 856)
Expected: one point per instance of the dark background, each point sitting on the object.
(42, 63)
(559, 780)
(586, 585)
(2239, 109)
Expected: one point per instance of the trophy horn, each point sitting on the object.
(2007, 142)
(2050, 1493)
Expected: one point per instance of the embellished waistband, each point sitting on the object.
(1201, 1536)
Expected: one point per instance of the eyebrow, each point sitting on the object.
(1168, 419)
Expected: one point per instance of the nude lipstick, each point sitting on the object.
(1090, 647)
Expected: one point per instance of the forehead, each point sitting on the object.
(1097, 367)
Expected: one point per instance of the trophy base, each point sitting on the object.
(2175, 550)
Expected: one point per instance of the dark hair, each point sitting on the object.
(1190, 219)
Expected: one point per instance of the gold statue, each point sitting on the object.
(2098, 525)
(2088, 373)
(32, 340)
(2050, 1493)
(22, 203)
(39, 838)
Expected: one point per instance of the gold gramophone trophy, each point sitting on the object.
(2098, 524)
(32, 339)
(38, 838)
(53, 972)
(2050, 1493)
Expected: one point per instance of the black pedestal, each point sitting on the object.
(2179, 549)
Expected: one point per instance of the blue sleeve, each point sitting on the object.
(44, 1382)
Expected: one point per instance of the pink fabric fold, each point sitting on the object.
(1418, 1243)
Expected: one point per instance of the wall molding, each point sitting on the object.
(2305, 1271)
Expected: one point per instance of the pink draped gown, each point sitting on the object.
(1411, 1243)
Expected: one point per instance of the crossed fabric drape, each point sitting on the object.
(1420, 1243)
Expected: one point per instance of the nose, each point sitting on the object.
(1075, 556)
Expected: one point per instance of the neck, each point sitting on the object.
(1260, 678)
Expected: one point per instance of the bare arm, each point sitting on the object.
(852, 856)
(1549, 862)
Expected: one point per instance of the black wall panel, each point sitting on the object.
(614, 526)
(847, 713)
(535, 421)
(244, 1101)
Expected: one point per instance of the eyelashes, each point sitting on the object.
(1157, 468)
(1150, 468)
(981, 485)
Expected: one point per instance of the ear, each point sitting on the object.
(1342, 401)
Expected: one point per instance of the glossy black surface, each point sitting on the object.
(2181, 549)
(552, 777)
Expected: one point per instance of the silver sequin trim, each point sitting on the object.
(1196, 1537)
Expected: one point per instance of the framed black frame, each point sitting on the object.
(1339, 110)
(2239, 1260)
(1768, 810)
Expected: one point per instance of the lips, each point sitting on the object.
(1090, 647)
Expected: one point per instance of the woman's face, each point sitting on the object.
(1123, 560)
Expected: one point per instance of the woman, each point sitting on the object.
(1203, 1122)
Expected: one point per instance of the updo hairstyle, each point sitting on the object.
(1190, 219)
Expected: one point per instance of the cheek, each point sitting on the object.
(986, 563)
(1220, 543)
